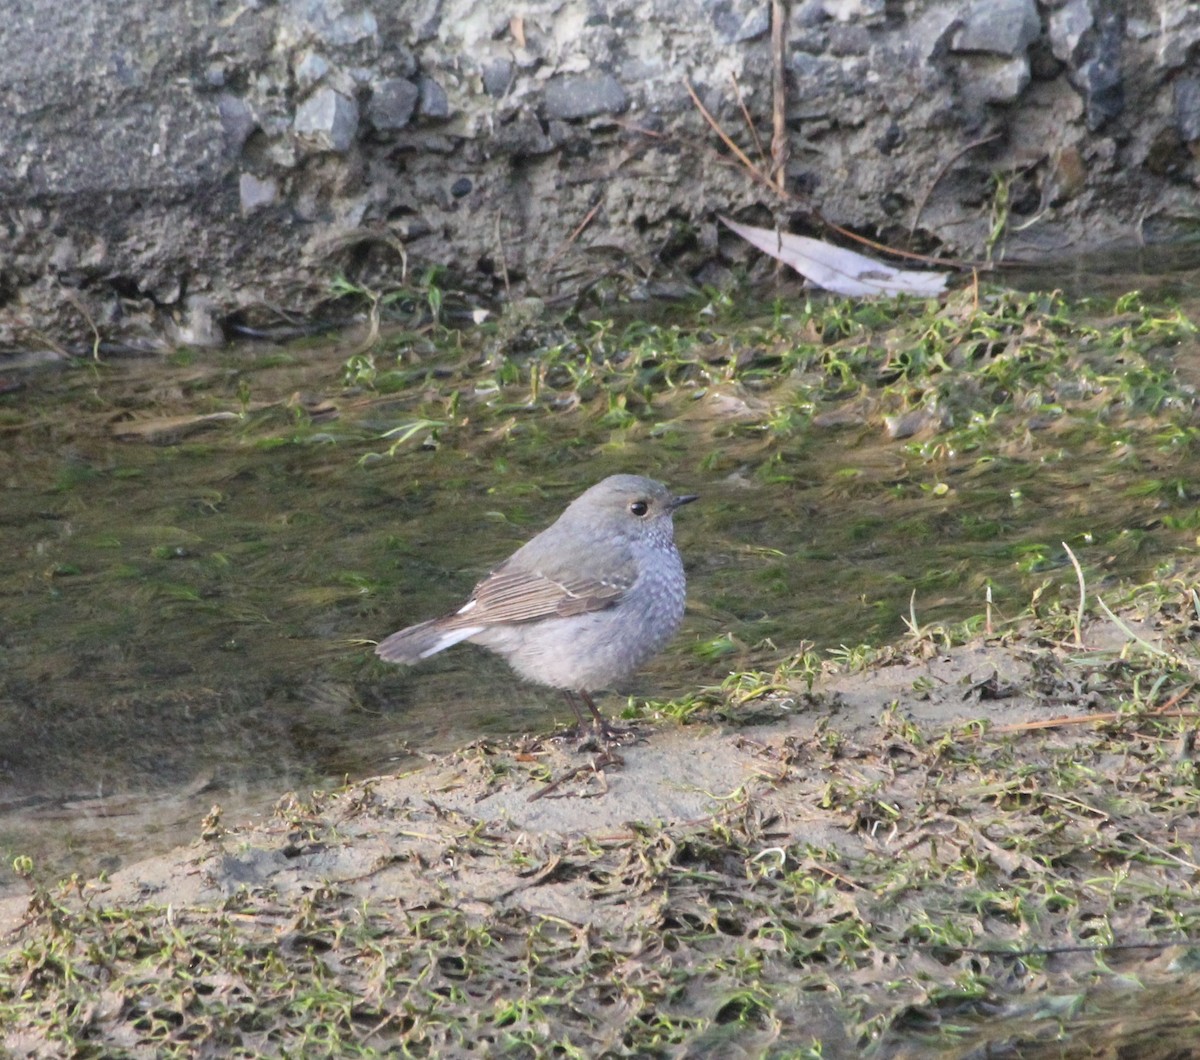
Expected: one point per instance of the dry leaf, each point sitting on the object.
(837, 269)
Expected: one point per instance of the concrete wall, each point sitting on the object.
(164, 166)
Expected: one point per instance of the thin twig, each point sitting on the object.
(570, 240)
(941, 173)
(758, 144)
(779, 133)
(500, 255)
(751, 168)
(77, 302)
(910, 255)
(1078, 719)
(606, 758)
(758, 176)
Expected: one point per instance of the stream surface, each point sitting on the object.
(198, 552)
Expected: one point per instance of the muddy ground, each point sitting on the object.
(907, 858)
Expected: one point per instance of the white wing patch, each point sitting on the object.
(449, 638)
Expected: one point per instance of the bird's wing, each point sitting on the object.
(521, 595)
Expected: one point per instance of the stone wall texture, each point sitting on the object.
(165, 169)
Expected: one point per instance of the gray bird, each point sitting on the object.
(582, 605)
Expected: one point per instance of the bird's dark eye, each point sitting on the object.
(639, 508)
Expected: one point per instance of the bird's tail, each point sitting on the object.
(418, 642)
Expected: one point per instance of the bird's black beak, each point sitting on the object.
(687, 498)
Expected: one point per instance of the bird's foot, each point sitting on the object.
(597, 736)
(605, 734)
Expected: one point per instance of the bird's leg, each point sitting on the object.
(600, 725)
(597, 718)
(573, 703)
(581, 727)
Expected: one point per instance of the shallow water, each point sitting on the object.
(189, 604)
